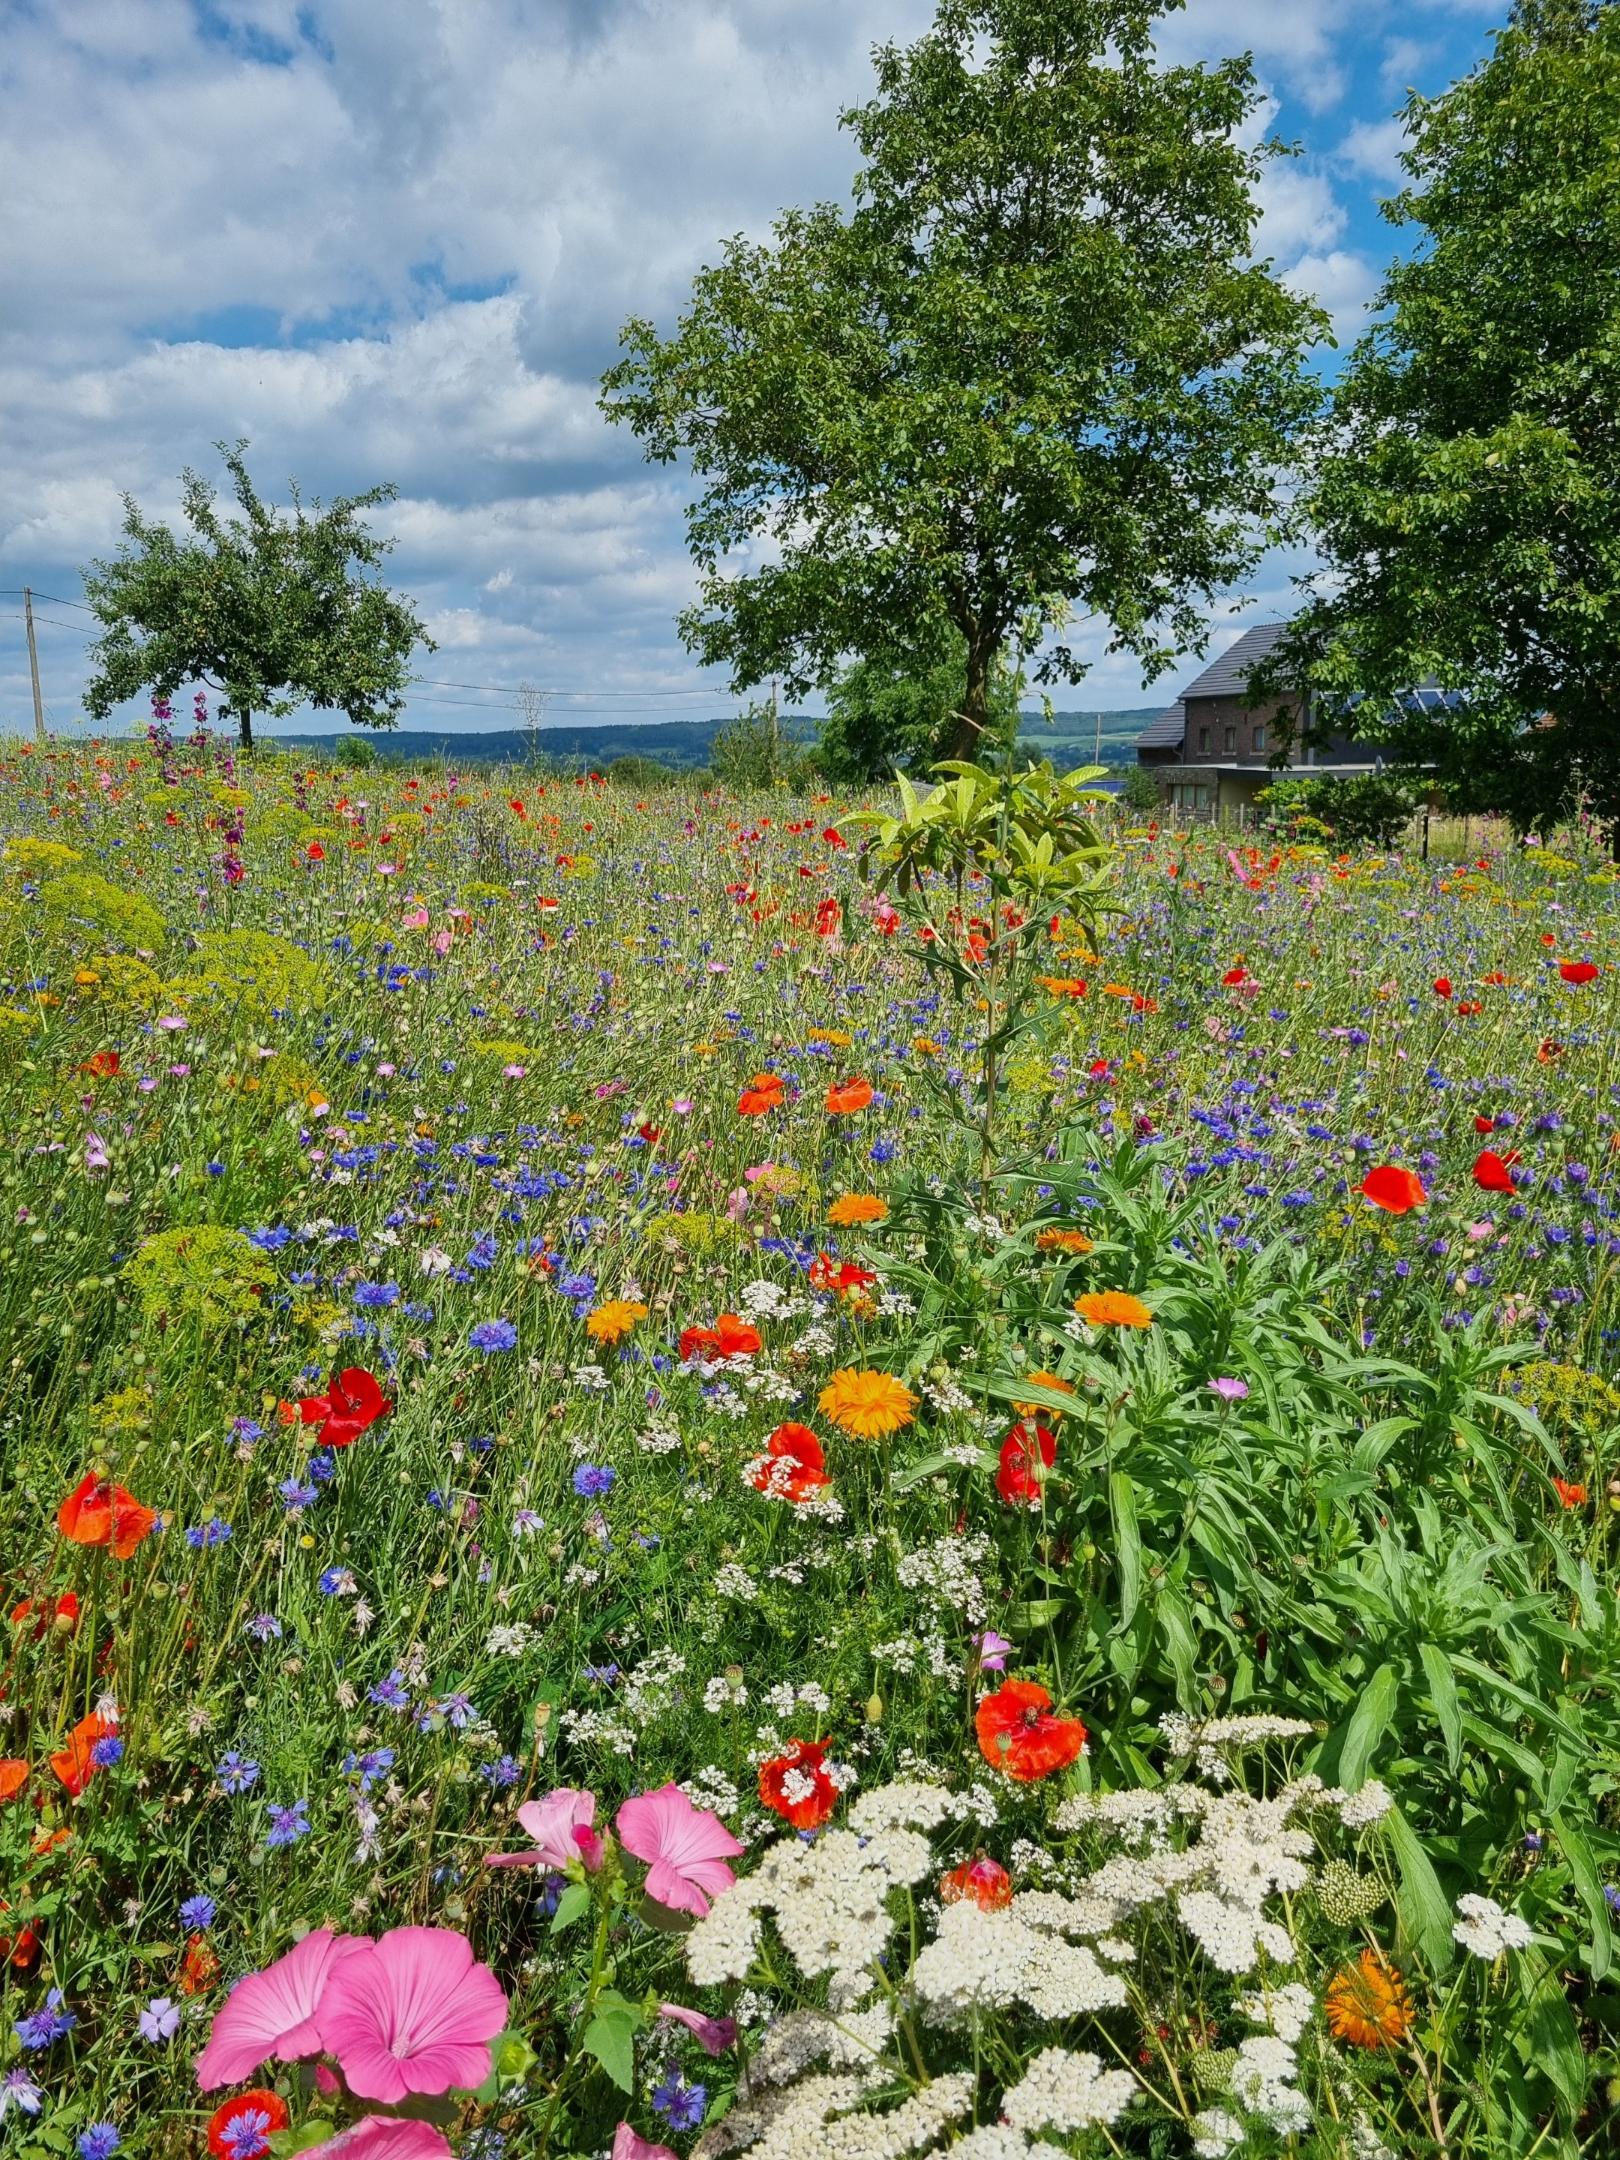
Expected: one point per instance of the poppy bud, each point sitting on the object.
(874, 1709)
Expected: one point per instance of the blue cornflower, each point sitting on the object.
(236, 1773)
(213, 1532)
(264, 1627)
(323, 1466)
(198, 1912)
(297, 1496)
(392, 1693)
(680, 2104)
(491, 1335)
(49, 2022)
(374, 1764)
(593, 1480)
(99, 2142)
(160, 2020)
(247, 2135)
(881, 1151)
(107, 1751)
(375, 1295)
(483, 1252)
(246, 1428)
(337, 1582)
(288, 1824)
(502, 1773)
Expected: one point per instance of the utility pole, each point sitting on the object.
(33, 665)
(1096, 758)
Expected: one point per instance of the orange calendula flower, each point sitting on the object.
(1062, 986)
(98, 1512)
(1367, 2003)
(1113, 1308)
(853, 1208)
(1069, 1241)
(867, 1405)
(1018, 1733)
(1052, 1380)
(612, 1322)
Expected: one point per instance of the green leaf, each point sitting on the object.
(576, 1899)
(1366, 1726)
(608, 2038)
(1443, 1690)
(1589, 1887)
(1127, 1542)
(1424, 1908)
(1554, 2044)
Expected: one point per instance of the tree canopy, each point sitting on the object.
(271, 608)
(1033, 368)
(1468, 497)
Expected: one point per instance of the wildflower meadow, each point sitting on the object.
(687, 1475)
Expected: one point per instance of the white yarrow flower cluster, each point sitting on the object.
(1060, 2091)
(1486, 1929)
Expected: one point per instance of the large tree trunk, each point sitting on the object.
(247, 730)
(968, 726)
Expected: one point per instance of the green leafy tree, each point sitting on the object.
(899, 713)
(272, 609)
(1034, 368)
(1468, 499)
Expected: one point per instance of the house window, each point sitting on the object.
(1259, 738)
(1203, 738)
(1229, 738)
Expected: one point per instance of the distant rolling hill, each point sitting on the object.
(1070, 740)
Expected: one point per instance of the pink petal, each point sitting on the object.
(415, 2014)
(385, 2137)
(274, 2012)
(714, 2035)
(628, 2144)
(683, 1844)
(515, 1859)
(551, 1822)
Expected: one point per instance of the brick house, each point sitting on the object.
(1214, 751)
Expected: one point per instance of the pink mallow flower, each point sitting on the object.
(686, 1848)
(384, 2137)
(560, 1825)
(413, 2013)
(713, 2035)
(629, 2144)
(275, 2012)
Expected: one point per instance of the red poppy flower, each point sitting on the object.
(352, 1405)
(199, 1968)
(984, 1880)
(75, 1764)
(1491, 1171)
(1441, 986)
(98, 1512)
(826, 1273)
(728, 1338)
(315, 852)
(1394, 1190)
(796, 1787)
(242, 2127)
(1569, 1495)
(1548, 1051)
(1484, 1124)
(845, 1097)
(834, 838)
(829, 916)
(61, 1613)
(1018, 1480)
(1018, 1733)
(13, 1776)
(103, 1065)
(1235, 975)
(21, 1949)
(1579, 971)
(793, 1465)
(764, 1092)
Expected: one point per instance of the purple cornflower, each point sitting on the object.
(288, 1824)
(593, 1480)
(1230, 1391)
(392, 1693)
(235, 1772)
(49, 2022)
(17, 2089)
(680, 2104)
(264, 1627)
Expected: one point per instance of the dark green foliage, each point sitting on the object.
(888, 715)
(1035, 368)
(1468, 501)
(1356, 810)
(753, 751)
(272, 609)
(1141, 789)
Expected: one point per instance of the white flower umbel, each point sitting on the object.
(1359, 1809)
(1060, 2091)
(1485, 1929)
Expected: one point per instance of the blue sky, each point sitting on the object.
(397, 241)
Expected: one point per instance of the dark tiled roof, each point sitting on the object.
(1167, 731)
(1228, 676)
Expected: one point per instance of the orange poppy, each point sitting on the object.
(728, 1338)
(75, 1765)
(793, 1465)
(764, 1092)
(845, 1097)
(844, 1276)
(1367, 2003)
(98, 1512)
(797, 1787)
(1394, 1190)
(21, 1949)
(60, 1613)
(1018, 1733)
(199, 1968)
(103, 1065)
(1569, 1495)
(13, 1776)
(1113, 1308)
(985, 1881)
